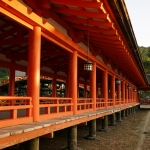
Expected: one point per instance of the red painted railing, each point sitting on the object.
(15, 110)
(18, 110)
(53, 107)
(110, 102)
(84, 105)
(100, 103)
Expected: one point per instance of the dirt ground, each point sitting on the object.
(133, 133)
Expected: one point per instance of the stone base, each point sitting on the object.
(104, 130)
(112, 124)
(118, 120)
(66, 148)
(90, 138)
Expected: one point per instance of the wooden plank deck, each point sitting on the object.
(16, 134)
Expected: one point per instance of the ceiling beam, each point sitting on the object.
(94, 29)
(78, 3)
(80, 13)
(14, 41)
(84, 21)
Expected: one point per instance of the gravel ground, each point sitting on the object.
(124, 136)
(133, 133)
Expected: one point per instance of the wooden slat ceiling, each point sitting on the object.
(72, 15)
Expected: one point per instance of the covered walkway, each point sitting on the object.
(54, 39)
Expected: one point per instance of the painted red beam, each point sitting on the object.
(106, 41)
(102, 35)
(80, 13)
(78, 3)
(90, 22)
(94, 29)
(8, 33)
(14, 41)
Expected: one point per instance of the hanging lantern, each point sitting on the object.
(134, 90)
(88, 66)
(129, 86)
(118, 81)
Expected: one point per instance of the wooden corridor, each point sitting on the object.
(55, 39)
(16, 134)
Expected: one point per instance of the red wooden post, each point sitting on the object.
(93, 85)
(113, 89)
(105, 87)
(73, 80)
(85, 88)
(11, 90)
(119, 93)
(34, 69)
(123, 91)
(54, 87)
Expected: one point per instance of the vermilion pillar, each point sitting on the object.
(67, 87)
(73, 79)
(54, 87)
(113, 89)
(127, 94)
(123, 91)
(93, 85)
(33, 82)
(85, 88)
(105, 87)
(119, 93)
(11, 89)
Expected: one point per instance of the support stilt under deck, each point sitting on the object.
(72, 138)
(104, 124)
(112, 120)
(118, 116)
(123, 115)
(32, 144)
(92, 130)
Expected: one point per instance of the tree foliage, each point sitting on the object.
(4, 73)
(145, 54)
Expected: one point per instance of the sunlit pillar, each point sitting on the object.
(93, 85)
(105, 87)
(73, 59)
(119, 93)
(11, 90)
(85, 89)
(54, 87)
(113, 88)
(123, 91)
(34, 52)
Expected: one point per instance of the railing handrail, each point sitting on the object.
(84, 98)
(54, 98)
(15, 98)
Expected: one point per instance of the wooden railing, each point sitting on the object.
(110, 103)
(100, 103)
(18, 110)
(84, 105)
(117, 102)
(53, 107)
(15, 110)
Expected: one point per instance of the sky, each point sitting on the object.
(139, 12)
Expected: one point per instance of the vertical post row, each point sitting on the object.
(113, 89)
(105, 87)
(93, 85)
(34, 52)
(123, 91)
(73, 68)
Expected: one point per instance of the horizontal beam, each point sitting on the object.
(15, 41)
(90, 22)
(94, 29)
(80, 13)
(102, 35)
(78, 3)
